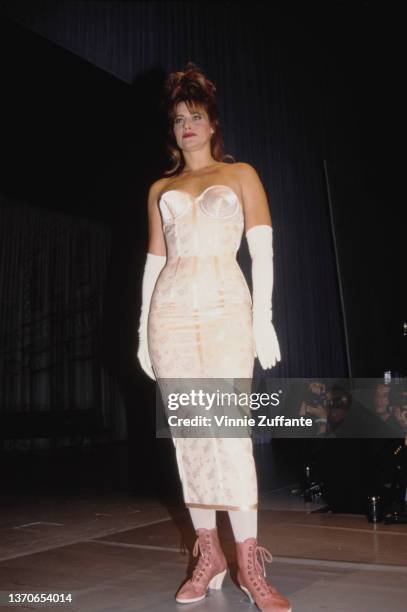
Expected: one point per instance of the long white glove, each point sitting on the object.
(152, 269)
(260, 242)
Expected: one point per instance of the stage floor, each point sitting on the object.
(119, 553)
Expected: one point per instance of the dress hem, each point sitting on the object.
(221, 506)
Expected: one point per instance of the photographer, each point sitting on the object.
(310, 400)
(397, 419)
(381, 402)
(390, 454)
(315, 404)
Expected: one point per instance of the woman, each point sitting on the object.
(198, 320)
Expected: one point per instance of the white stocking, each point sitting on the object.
(203, 518)
(244, 524)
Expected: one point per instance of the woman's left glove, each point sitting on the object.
(152, 269)
(260, 242)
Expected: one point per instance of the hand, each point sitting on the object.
(317, 388)
(267, 349)
(144, 358)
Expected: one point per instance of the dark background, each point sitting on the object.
(81, 134)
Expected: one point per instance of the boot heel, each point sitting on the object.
(247, 593)
(216, 582)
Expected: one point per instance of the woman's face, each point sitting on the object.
(192, 129)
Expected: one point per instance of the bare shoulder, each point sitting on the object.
(155, 191)
(157, 186)
(248, 178)
(245, 171)
(242, 166)
(254, 196)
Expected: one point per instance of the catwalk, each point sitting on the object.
(121, 552)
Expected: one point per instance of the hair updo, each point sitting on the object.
(193, 88)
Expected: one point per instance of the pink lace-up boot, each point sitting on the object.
(209, 571)
(252, 577)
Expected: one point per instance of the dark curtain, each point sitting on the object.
(53, 272)
(297, 83)
(278, 112)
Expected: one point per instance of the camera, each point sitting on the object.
(316, 399)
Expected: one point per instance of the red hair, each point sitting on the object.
(193, 88)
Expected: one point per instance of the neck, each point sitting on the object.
(195, 164)
(191, 169)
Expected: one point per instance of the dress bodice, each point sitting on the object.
(209, 224)
(202, 235)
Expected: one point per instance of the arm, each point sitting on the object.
(259, 235)
(155, 261)
(255, 204)
(156, 241)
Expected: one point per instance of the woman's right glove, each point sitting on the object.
(152, 269)
(260, 242)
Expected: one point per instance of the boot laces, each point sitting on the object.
(203, 559)
(265, 556)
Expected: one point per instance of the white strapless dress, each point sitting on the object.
(200, 326)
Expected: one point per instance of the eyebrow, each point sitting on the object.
(193, 113)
